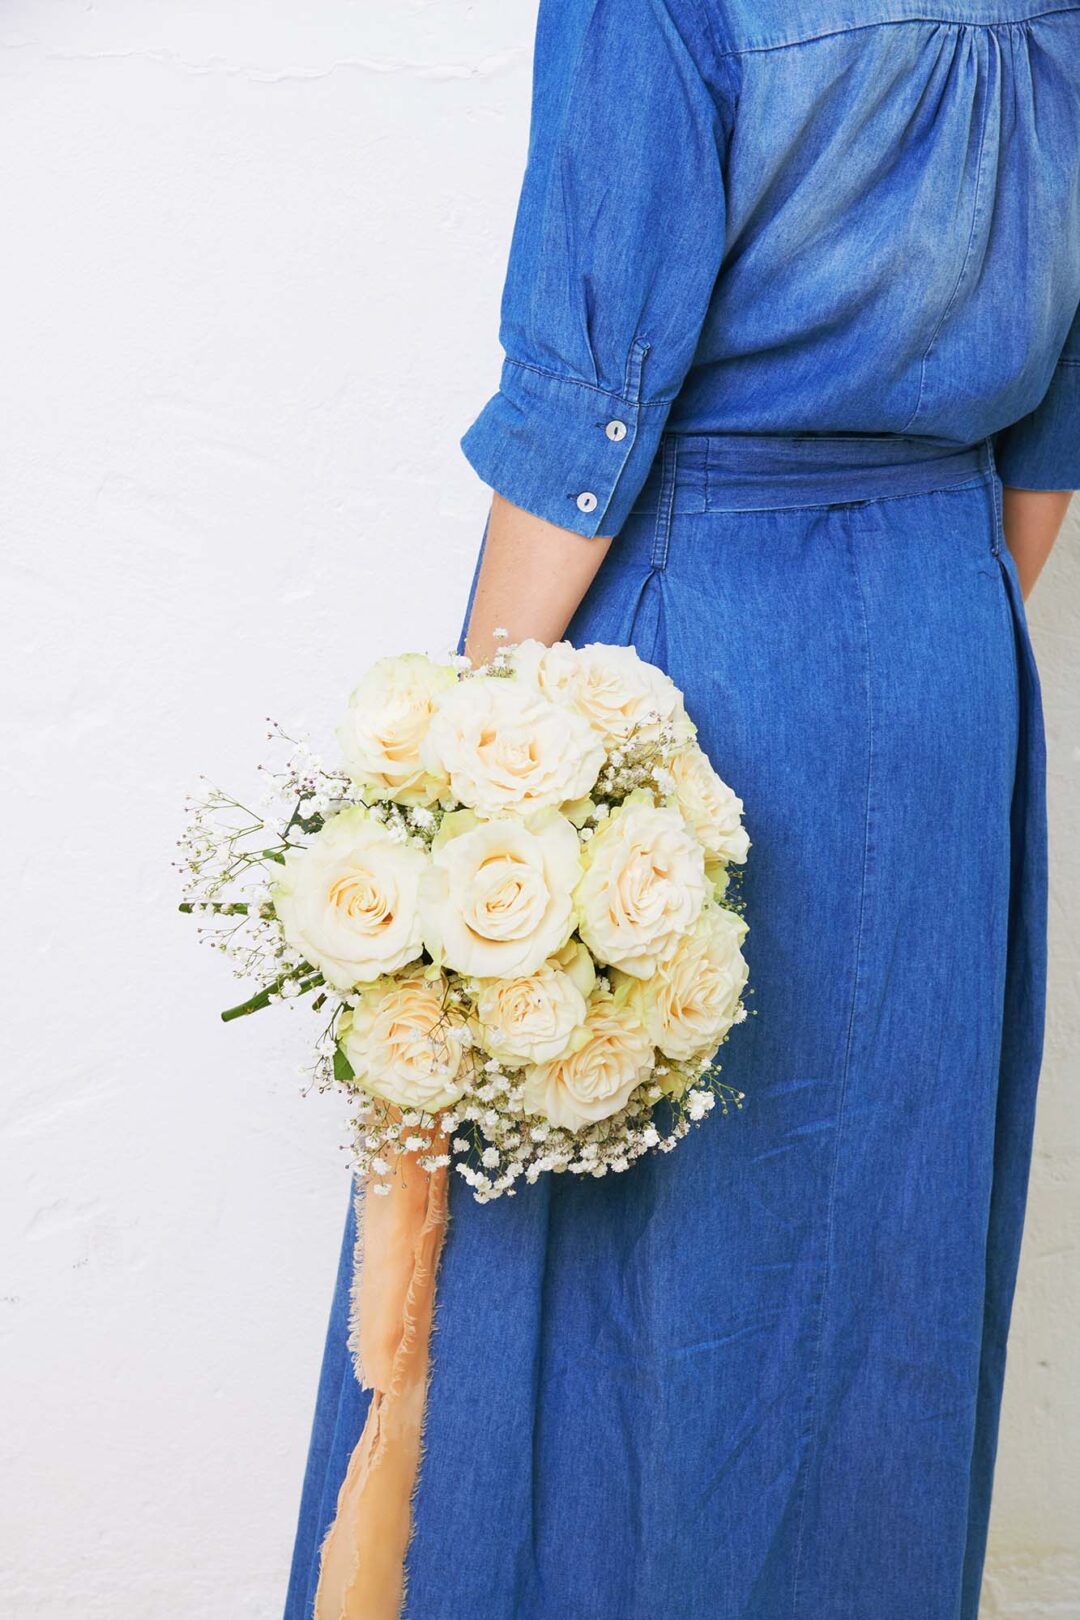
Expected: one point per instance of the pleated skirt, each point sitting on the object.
(759, 1378)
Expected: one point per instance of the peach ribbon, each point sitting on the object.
(399, 1242)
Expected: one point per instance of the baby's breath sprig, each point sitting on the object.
(641, 761)
(500, 664)
(408, 823)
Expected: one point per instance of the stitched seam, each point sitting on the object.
(869, 500)
(520, 1576)
(665, 510)
(830, 1219)
(899, 22)
(707, 21)
(823, 506)
(707, 24)
(963, 267)
(591, 388)
(999, 513)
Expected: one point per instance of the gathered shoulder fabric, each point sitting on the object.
(788, 219)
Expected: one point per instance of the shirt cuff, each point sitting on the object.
(564, 450)
(1042, 450)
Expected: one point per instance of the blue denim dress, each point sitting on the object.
(792, 291)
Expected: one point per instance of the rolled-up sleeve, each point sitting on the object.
(616, 248)
(1042, 449)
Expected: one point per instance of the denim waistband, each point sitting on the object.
(732, 472)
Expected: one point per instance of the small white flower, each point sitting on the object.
(381, 1189)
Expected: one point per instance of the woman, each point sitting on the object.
(792, 403)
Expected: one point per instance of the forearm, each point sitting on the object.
(532, 577)
(1033, 519)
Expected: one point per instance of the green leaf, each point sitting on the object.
(343, 1069)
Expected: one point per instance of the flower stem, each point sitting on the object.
(262, 998)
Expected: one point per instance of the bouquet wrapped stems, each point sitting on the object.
(399, 1242)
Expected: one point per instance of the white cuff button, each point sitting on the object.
(616, 431)
(586, 501)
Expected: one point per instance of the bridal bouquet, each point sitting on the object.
(510, 905)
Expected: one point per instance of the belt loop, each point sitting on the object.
(665, 506)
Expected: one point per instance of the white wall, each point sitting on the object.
(252, 261)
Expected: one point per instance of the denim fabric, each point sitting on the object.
(340, 1409)
(789, 216)
(759, 1378)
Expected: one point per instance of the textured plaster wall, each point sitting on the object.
(252, 261)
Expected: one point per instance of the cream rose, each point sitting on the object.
(713, 810)
(643, 887)
(388, 718)
(552, 670)
(532, 1018)
(350, 900)
(506, 747)
(689, 1002)
(497, 897)
(618, 693)
(404, 1045)
(608, 1059)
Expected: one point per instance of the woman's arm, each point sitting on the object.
(1033, 519)
(1038, 461)
(532, 577)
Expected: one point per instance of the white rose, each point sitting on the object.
(405, 1045)
(643, 887)
(497, 898)
(713, 810)
(350, 900)
(504, 746)
(552, 670)
(531, 1018)
(608, 1059)
(690, 1001)
(388, 718)
(618, 693)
